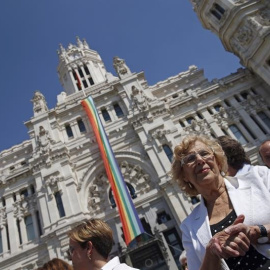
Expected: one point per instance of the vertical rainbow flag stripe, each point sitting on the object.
(132, 226)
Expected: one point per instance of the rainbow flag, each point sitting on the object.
(132, 226)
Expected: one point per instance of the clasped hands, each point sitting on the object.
(234, 241)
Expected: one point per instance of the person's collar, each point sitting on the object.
(111, 264)
(244, 169)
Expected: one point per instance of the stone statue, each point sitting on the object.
(120, 66)
(39, 103)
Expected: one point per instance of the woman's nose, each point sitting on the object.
(199, 158)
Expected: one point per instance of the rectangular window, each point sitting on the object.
(86, 70)
(59, 204)
(81, 125)
(264, 118)
(91, 81)
(105, 115)
(29, 225)
(118, 110)
(80, 72)
(85, 83)
(238, 134)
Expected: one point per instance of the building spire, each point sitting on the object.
(79, 43)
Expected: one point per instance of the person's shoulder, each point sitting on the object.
(124, 266)
(261, 170)
(190, 218)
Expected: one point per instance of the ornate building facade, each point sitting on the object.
(243, 27)
(57, 179)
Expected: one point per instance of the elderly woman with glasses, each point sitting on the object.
(230, 228)
(90, 244)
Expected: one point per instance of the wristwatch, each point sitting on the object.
(263, 235)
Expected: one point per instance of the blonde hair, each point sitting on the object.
(182, 149)
(96, 231)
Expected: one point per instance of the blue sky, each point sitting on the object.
(160, 37)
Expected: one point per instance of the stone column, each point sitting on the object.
(3, 231)
(12, 227)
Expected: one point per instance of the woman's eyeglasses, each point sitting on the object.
(191, 157)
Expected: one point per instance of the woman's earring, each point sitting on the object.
(190, 185)
(222, 173)
(89, 256)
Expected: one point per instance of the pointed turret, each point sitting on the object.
(80, 67)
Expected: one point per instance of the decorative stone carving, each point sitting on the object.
(44, 141)
(196, 3)
(233, 114)
(160, 133)
(98, 191)
(39, 103)
(244, 35)
(253, 104)
(198, 127)
(20, 208)
(98, 194)
(3, 217)
(52, 184)
(140, 100)
(263, 17)
(120, 67)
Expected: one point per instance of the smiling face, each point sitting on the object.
(203, 172)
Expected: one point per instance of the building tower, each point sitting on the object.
(243, 27)
(75, 64)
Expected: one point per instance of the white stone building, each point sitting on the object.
(243, 27)
(57, 178)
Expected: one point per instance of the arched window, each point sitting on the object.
(168, 151)
(189, 119)
(118, 110)
(217, 108)
(69, 131)
(217, 11)
(131, 190)
(24, 192)
(105, 115)
(81, 125)
(59, 204)
(181, 123)
(244, 95)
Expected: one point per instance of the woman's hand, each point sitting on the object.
(232, 242)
